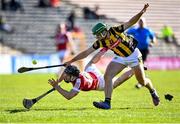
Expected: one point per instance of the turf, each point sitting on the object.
(129, 105)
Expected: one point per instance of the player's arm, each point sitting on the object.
(67, 94)
(135, 18)
(81, 55)
(54, 82)
(153, 42)
(152, 37)
(96, 57)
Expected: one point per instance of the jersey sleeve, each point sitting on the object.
(77, 85)
(119, 28)
(151, 34)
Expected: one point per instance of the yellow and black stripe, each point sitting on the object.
(126, 46)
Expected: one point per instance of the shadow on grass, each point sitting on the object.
(16, 110)
(13, 111)
(61, 109)
(126, 108)
(41, 109)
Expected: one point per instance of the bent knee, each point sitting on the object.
(144, 82)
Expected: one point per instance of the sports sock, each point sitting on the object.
(152, 91)
(108, 100)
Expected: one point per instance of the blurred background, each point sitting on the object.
(52, 31)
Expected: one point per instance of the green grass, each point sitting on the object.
(128, 103)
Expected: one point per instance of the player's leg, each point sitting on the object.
(116, 81)
(144, 53)
(89, 64)
(140, 76)
(61, 54)
(94, 69)
(125, 76)
(112, 70)
(135, 62)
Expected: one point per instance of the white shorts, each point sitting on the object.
(99, 75)
(133, 60)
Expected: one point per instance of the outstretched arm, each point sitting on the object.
(81, 55)
(67, 94)
(135, 18)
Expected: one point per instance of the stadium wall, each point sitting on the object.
(152, 63)
(9, 64)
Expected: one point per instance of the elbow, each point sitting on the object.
(69, 97)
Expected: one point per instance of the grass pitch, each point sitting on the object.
(129, 105)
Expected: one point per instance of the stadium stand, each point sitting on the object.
(161, 12)
(36, 26)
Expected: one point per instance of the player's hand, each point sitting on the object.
(67, 63)
(53, 82)
(145, 7)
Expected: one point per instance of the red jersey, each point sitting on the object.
(86, 81)
(61, 41)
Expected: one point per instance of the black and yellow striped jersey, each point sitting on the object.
(119, 42)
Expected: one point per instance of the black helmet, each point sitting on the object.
(72, 70)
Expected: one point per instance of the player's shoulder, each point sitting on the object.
(78, 80)
(117, 28)
(86, 74)
(148, 29)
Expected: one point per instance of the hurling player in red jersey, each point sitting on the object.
(63, 42)
(90, 79)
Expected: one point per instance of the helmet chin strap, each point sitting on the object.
(103, 34)
(106, 35)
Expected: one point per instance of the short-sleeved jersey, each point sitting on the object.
(143, 35)
(86, 81)
(120, 43)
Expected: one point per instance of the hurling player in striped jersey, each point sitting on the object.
(127, 54)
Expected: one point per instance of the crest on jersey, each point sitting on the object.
(114, 44)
